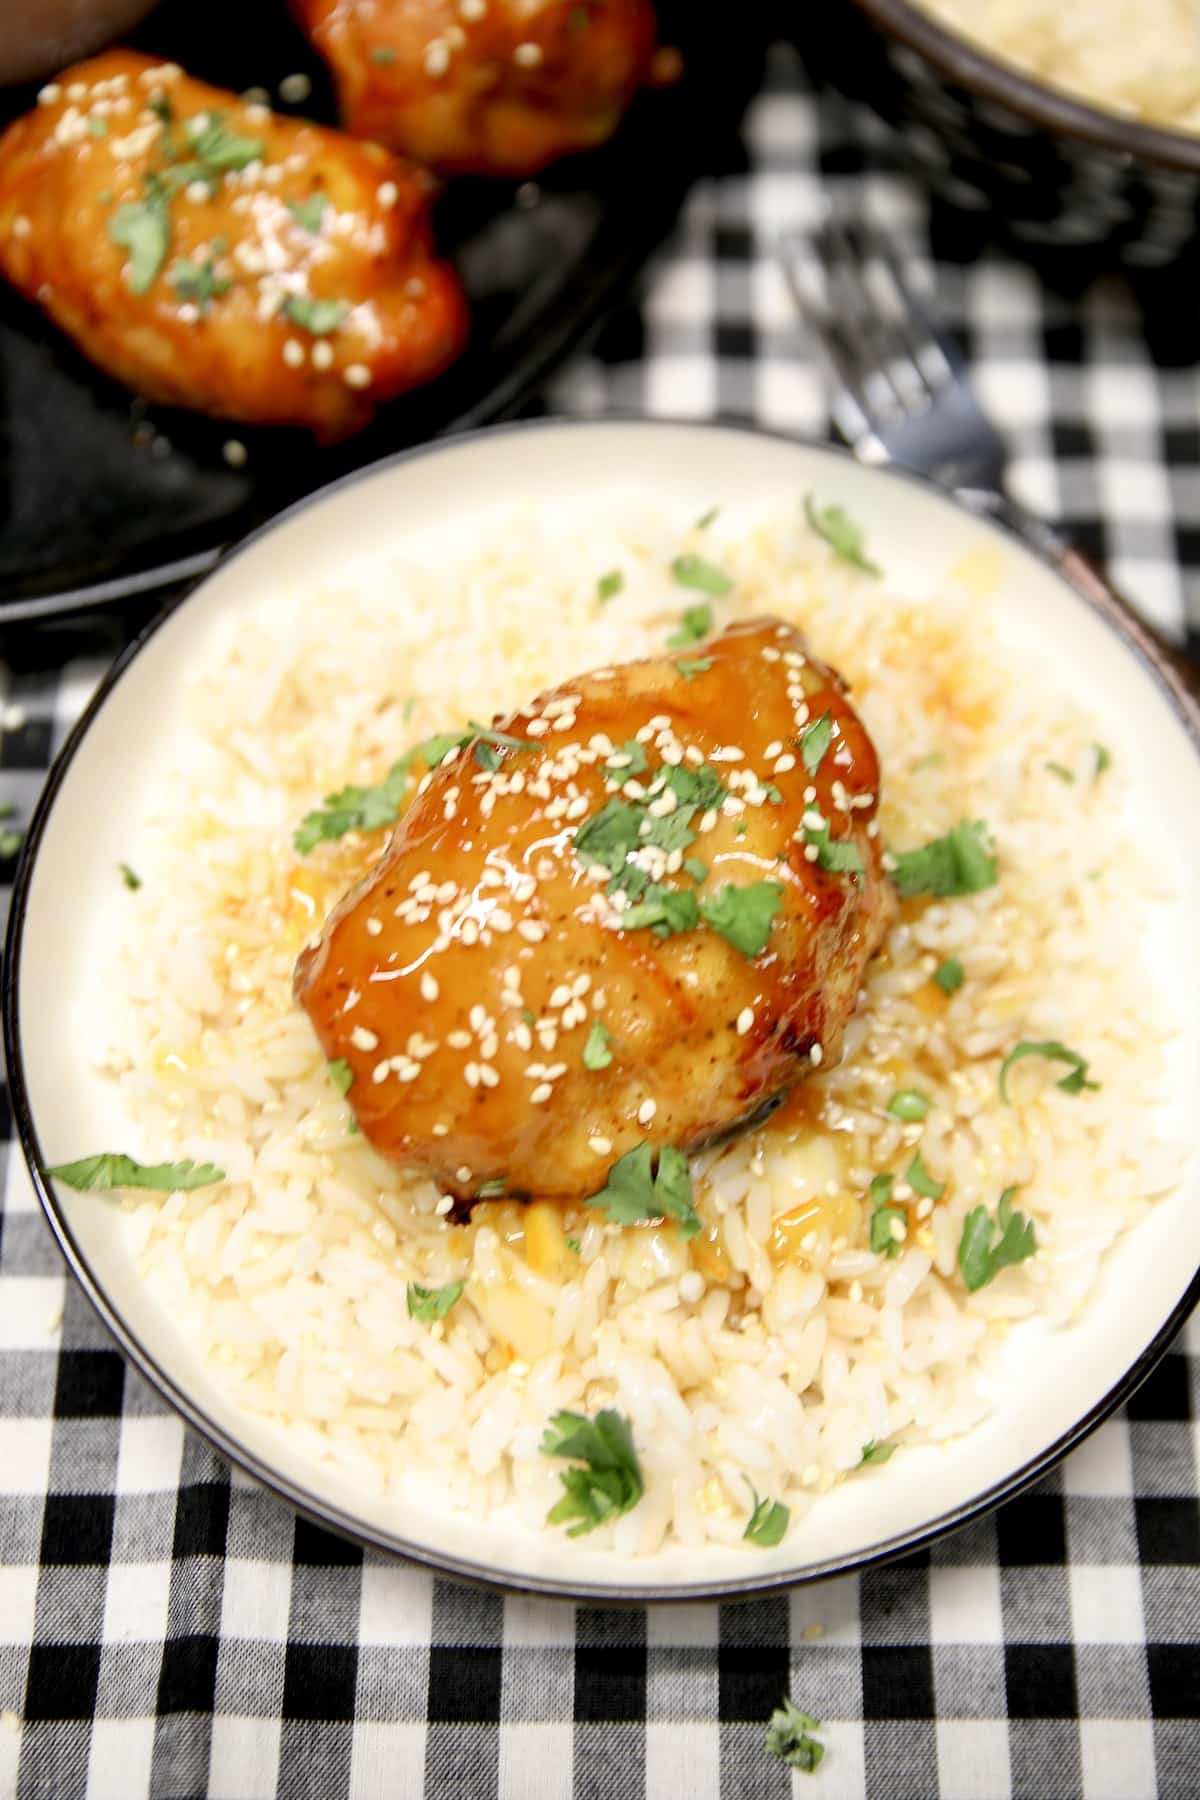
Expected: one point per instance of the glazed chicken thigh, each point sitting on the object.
(637, 914)
(213, 255)
(495, 88)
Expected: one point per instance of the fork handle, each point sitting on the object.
(1180, 673)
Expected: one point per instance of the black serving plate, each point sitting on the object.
(103, 497)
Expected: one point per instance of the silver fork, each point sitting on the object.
(902, 394)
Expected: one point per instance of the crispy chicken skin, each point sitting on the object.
(152, 217)
(463, 978)
(501, 88)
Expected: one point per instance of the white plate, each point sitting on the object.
(1056, 1386)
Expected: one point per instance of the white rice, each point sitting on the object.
(756, 1352)
(1140, 61)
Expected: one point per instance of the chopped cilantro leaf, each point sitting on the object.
(130, 877)
(743, 915)
(491, 1190)
(487, 756)
(428, 1304)
(1061, 770)
(504, 739)
(198, 282)
(696, 623)
(789, 1739)
(111, 1170)
(574, 1244)
(633, 1194)
(959, 863)
(318, 317)
(949, 975)
(699, 665)
(837, 856)
(884, 1240)
(341, 1074)
(382, 55)
(696, 788)
(309, 212)
(142, 227)
(160, 106)
(814, 742)
(10, 843)
(596, 1052)
(706, 519)
(609, 585)
(354, 809)
(1103, 758)
(921, 1181)
(694, 572)
(610, 835)
(981, 1259)
(908, 1104)
(696, 869)
(1072, 1083)
(608, 1483)
(875, 1453)
(97, 128)
(767, 1523)
(666, 911)
(843, 536)
(635, 765)
(221, 149)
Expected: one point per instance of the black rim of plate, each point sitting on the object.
(1051, 109)
(1136, 641)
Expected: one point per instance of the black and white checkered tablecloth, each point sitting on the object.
(167, 1630)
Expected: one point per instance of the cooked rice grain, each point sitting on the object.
(769, 1347)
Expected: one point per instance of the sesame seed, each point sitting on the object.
(440, 1130)
(488, 1075)
(471, 1075)
(197, 192)
(600, 1146)
(785, 762)
(691, 1287)
(774, 747)
(234, 452)
(560, 996)
(21, 227)
(527, 56)
(362, 1039)
(472, 9)
(387, 194)
(188, 313)
(532, 930)
(459, 1040)
(899, 1230)
(294, 88)
(381, 1071)
(322, 355)
(49, 94)
(77, 91)
(925, 1208)
(463, 1174)
(646, 1111)
(429, 986)
(437, 57)
(293, 353)
(815, 1055)
(541, 1094)
(521, 1036)
(357, 375)
(745, 1020)
(373, 927)
(445, 1204)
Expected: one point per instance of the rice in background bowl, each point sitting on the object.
(773, 1348)
(1139, 61)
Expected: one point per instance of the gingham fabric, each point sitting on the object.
(168, 1630)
